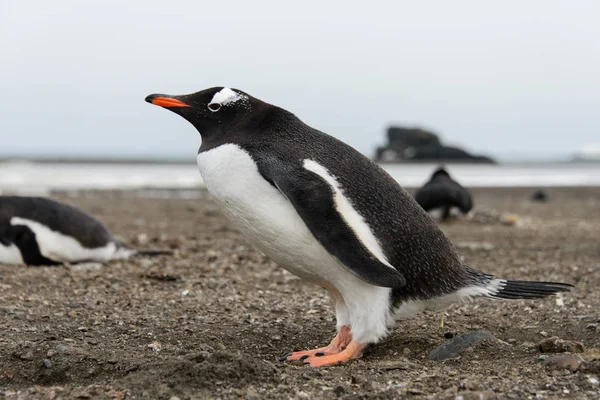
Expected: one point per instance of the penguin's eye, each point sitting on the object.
(214, 107)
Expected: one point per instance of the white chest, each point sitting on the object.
(263, 214)
(10, 254)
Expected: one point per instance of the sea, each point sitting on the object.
(29, 177)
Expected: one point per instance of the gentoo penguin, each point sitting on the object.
(443, 194)
(40, 231)
(328, 214)
(540, 196)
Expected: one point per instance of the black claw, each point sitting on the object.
(284, 358)
(319, 354)
(303, 358)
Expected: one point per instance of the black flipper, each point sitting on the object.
(25, 240)
(313, 199)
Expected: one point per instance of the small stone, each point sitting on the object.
(459, 344)
(211, 212)
(61, 348)
(474, 246)
(47, 363)
(406, 351)
(591, 326)
(558, 345)
(592, 367)
(174, 398)
(339, 390)
(51, 353)
(28, 356)
(512, 341)
(544, 334)
(564, 361)
(155, 346)
(252, 394)
(509, 219)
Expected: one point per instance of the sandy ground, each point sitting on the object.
(211, 321)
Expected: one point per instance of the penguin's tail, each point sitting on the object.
(125, 252)
(153, 253)
(528, 289)
(490, 286)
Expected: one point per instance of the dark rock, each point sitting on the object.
(419, 145)
(558, 345)
(592, 367)
(339, 390)
(47, 363)
(564, 361)
(456, 346)
(540, 196)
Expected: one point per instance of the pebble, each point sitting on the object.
(592, 367)
(28, 356)
(474, 246)
(339, 390)
(564, 361)
(47, 363)
(558, 345)
(459, 344)
(61, 348)
(509, 219)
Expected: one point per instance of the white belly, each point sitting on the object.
(271, 222)
(265, 216)
(10, 254)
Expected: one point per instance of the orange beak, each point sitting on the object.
(165, 101)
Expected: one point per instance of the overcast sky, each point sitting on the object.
(514, 76)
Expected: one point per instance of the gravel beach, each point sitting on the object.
(212, 320)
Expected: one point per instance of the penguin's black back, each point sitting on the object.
(59, 217)
(410, 239)
(442, 191)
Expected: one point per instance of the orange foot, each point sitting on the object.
(353, 351)
(337, 345)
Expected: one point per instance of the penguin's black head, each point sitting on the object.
(440, 172)
(211, 111)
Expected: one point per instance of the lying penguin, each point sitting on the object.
(40, 231)
(328, 214)
(442, 195)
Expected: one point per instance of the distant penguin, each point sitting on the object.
(327, 213)
(442, 194)
(40, 231)
(540, 196)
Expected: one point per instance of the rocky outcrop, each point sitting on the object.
(419, 145)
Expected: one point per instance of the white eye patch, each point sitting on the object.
(226, 96)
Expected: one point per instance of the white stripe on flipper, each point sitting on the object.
(355, 221)
(226, 96)
(10, 254)
(62, 248)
